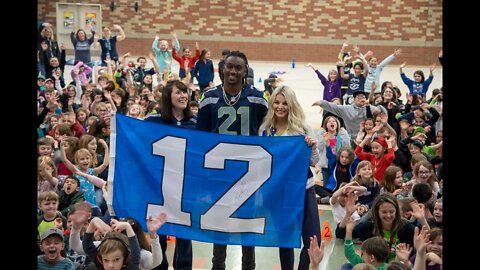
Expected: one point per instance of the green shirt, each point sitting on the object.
(354, 258)
(391, 243)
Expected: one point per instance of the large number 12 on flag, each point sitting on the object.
(214, 188)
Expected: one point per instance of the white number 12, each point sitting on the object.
(218, 217)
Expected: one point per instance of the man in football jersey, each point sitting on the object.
(236, 108)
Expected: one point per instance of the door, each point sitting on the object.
(78, 14)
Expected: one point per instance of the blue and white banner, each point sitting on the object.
(224, 189)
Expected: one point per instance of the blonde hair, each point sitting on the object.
(332, 71)
(83, 143)
(369, 182)
(296, 116)
(48, 196)
(141, 114)
(83, 152)
(52, 37)
(46, 160)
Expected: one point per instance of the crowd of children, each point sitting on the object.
(379, 158)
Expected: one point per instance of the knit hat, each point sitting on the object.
(381, 141)
(419, 130)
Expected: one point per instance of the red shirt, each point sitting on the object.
(181, 59)
(378, 165)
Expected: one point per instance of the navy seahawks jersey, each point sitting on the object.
(242, 118)
(184, 123)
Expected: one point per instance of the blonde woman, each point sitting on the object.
(285, 117)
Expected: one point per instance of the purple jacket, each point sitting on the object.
(429, 267)
(332, 89)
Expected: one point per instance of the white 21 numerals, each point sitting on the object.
(218, 217)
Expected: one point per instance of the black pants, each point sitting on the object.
(322, 191)
(182, 256)
(220, 254)
(311, 227)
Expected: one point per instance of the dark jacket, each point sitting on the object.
(364, 230)
(67, 202)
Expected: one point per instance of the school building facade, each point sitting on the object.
(273, 30)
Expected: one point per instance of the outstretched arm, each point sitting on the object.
(154, 61)
(315, 252)
(311, 65)
(432, 68)
(402, 66)
(64, 158)
(96, 181)
(155, 48)
(344, 76)
(175, 40)
(371, 95)
(342, 51)
(153, 224)
(122, 35)
(106, 158)
(420, 242)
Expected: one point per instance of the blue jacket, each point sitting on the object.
(204, 72)
(415, 87)
(332, 182)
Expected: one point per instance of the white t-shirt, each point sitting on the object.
(339, 212)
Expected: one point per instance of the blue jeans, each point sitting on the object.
(311, 226)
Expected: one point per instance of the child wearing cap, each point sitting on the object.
(52, 246)
(381, 157)
(41, 83)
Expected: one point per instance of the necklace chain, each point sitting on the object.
(235, 98)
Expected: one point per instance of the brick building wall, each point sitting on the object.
(278, 30)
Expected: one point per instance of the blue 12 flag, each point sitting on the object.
(224, 189)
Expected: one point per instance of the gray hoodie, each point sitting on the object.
(352, 114)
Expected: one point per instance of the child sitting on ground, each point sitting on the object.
(70, 195)
(381, 157)
(339, 197)
(116, 250)
(437, 220)
(52, 246)
(50, 218)
(374, 249)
